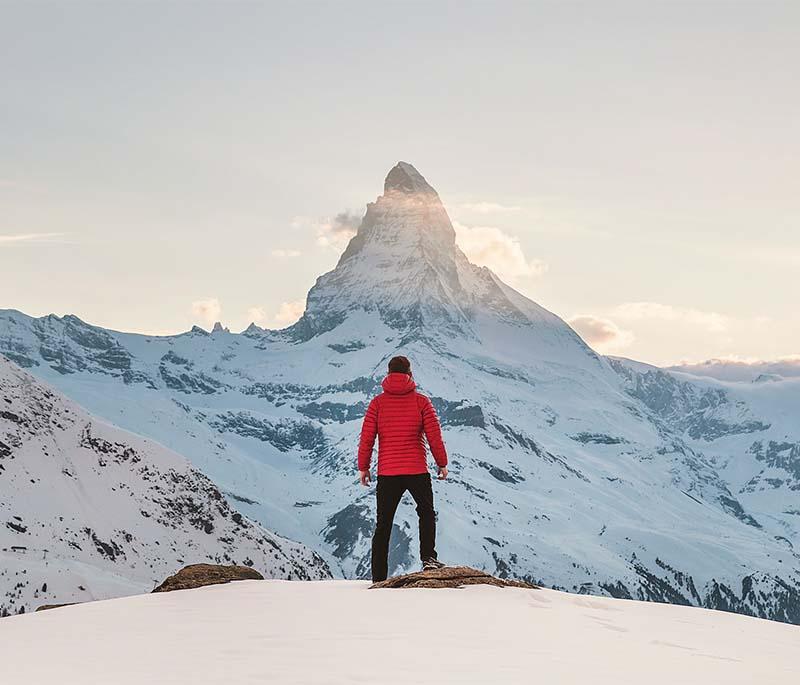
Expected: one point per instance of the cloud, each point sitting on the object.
(208, 310)
(285, 254)
(638, 311)
(256, 315)
(602, 334)
(338, 231)
(489, 208)
(21, 238)
(738, 360)
(736, 368)
(289, 312)
(502, 253)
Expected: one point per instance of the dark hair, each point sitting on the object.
(400, 365)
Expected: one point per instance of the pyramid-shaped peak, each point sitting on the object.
(405, 178)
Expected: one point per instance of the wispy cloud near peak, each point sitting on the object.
(208, 309)
(285, 254)
(501, 252)
(602, 334)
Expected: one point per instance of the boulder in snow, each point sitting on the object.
(200, 575)
(45, 607)
(449, 576)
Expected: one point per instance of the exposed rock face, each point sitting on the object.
(200, 575)
(404, 178)
(449, 576)
(45, 607)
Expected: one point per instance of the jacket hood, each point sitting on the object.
(398, 384)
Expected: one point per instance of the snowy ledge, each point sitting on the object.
(338, 632)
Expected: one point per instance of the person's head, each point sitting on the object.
(400, 365)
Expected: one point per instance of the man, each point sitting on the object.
(402, 419)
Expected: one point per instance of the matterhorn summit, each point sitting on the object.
(402, 265)
(404, 270)
(404, 178)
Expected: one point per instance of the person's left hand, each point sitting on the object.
(442, 472)
(365, 478)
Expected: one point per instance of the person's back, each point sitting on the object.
(401, 418)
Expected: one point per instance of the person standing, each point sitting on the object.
(401, 419)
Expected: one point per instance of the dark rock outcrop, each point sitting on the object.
(449, 576)
(200, 575)
(45, 607)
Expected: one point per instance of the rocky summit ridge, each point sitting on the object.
(404, 178)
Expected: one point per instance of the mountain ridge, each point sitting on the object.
(92, 511)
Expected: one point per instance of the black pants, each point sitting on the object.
(390, 490)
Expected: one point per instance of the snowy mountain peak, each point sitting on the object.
(404, 270)
(404, 178)
(253, 330)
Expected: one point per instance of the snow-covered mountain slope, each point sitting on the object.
(567, 468)
(341, 632)
(90, 511)
(748, 431)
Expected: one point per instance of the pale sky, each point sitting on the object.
(634, 167)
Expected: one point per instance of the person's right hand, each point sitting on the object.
(364, 476)
(442, 472)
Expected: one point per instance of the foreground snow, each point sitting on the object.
(340, 632)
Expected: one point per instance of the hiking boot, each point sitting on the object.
(432, 564)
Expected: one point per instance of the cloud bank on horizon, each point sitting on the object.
(748, 370)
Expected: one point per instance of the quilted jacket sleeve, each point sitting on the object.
(433, 432)
(369, 429)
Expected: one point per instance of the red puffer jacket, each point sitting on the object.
(400, 416)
